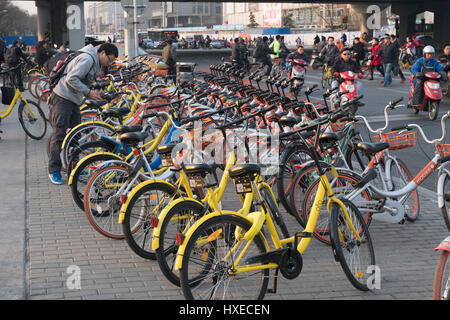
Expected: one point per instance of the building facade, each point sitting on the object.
(183, 14)
(310, 16)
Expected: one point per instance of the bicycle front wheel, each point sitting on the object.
(32, 119)
(356, 257)
(208, 264)
(441, 284)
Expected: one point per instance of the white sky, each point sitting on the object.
(26, 5)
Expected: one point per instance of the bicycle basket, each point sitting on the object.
(339, 126)
(444, 149)
(8, 95)
(398, 141)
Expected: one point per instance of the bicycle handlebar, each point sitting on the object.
(391, 105)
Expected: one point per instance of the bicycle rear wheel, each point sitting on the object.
(401, 177)
(356, 257)
(209, 259)
(177, 220)
(102, 201)
(32, 119)
(147, 203)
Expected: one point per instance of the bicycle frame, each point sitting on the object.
(259, 218)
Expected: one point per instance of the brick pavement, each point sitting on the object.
(59, 235)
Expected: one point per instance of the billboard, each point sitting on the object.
(272, 15)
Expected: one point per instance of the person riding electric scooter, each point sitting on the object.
(425, 92)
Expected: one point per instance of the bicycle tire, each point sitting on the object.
(439, 282)
(288, 166)
(358, 275)
(83, 132)
(343, 186)
(101, 208)
(402, 181)
(302, 181)
(132, 230)
(43, 104)
(445, 210)
(274, 211)
(193, 280)
(34, 121)
(168, 245)
(82, 174)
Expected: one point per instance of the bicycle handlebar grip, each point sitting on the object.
(396, 101)
(405, 127)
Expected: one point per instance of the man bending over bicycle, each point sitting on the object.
(68, 94)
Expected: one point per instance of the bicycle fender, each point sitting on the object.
(444, 245)
(162, 216)
(87, 158)
(124, 206)
(440, 190)
(80, 125)
(182, 248)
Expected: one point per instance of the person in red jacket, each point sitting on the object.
(376, 61)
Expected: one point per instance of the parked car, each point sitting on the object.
(216, 44)
(148, 44)
(94, 41)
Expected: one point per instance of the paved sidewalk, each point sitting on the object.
(43, 234)
(12, 208)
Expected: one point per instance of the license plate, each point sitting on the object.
(350, 87)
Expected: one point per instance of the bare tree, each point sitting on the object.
(14, 21)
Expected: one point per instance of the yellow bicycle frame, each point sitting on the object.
(259, 218)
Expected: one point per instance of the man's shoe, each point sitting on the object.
(381, 81)
(55, 177)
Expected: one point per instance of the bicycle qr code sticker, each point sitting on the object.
(166, 159)
(243, 185)
(195, 181)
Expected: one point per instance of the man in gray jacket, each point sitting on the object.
(68, 96)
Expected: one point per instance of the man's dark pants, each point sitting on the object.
(266, 62)
(64, 115)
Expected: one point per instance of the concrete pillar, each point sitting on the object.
(44, 18)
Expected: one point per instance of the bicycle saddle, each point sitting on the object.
(289, 121)
(332, 136)
(95, 103)
(133, 138)
(167, 148)
(244, 169)
(116, 112)
(125, 129)
(371, 148)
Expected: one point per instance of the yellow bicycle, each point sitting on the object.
(31, 117)
(226, 255)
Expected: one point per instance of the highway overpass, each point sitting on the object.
(64, 19)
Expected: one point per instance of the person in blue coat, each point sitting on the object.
(426, 61)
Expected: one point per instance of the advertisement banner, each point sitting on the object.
(272, 15)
